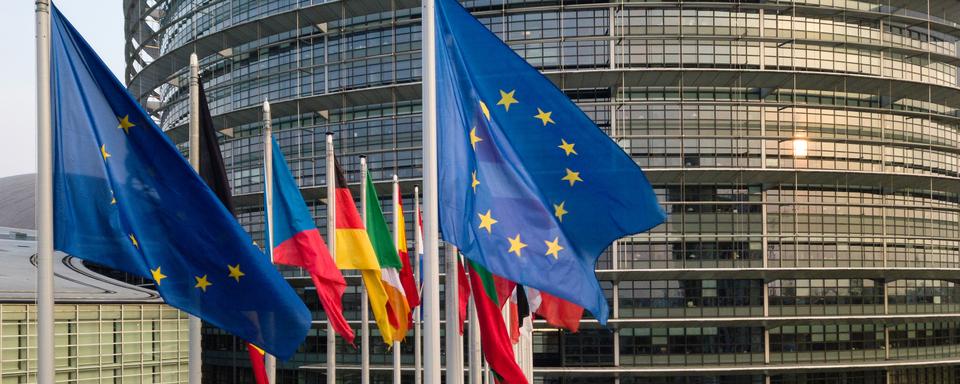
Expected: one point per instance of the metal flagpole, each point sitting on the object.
(417, 248)
(454, 371)
(45, 338)
(487, 373)
(332, 246)
(431, 262)
(473, 337)
(396, 241)
(196, 349)
(270, 363)
(364, 296)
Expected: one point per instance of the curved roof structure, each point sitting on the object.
(16, 201)
(74, 282)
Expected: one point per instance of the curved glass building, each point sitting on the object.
(807, 152)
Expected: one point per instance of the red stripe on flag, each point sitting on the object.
(463, 290)
(493, 334)
(308, 251)
(347, 215)
(256, 362)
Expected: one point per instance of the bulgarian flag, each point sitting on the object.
(398, 311)
(406, 273)
(354, 251)
(494, 339)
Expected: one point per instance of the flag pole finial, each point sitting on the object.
(195, 349)
(332, 247)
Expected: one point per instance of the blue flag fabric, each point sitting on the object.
(124, 197)
(530, 187)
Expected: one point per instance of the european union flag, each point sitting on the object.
(124, 197)
(530, 188)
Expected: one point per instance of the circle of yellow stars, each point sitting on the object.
(202, 282)
(572, 177)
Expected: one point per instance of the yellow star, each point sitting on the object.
(475, 182)
(487, 221)
(113, 198)
(235, 272)
(103, 151)
(125, 124)
(553, 247)
(486, 112)
(474, 139)
(567, 147)
(506, 98)
(572, 177)
(516, 245)
(544, 117)
(133, 239)
(202, 283)
(559, 211)
(157, 275)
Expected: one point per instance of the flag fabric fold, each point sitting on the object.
(355, 251)
(256, 362)
(297, 242)
(463, 290)
(214, 174)
(398, 311)
(406, 273)
(125, 197)
(494, 340)
(530, 187)
(556, 311)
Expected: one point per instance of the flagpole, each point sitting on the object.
(270, 362)
(454, 371)
(332, 246)
(195, 350)
(417, 248)
(364, 297)
(473, 339)
(431, 263)
(45, 302)
(396, 242)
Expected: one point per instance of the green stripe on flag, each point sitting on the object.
(489, 286)
(377, 229)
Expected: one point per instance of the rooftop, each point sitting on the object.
(75, 282)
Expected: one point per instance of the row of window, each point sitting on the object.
(289, 79)
(132, 342)
(925, 375)
(216, 16)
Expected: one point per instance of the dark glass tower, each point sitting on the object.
(807, 152)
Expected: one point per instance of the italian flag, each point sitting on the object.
(398, 311)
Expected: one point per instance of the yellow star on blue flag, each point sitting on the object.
(523, 150)
(105, 147)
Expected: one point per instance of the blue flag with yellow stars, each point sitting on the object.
(124, 197)
(530, 187)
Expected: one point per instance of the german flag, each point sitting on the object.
(354, 251)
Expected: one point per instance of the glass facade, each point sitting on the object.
(97, 343)
(806, 151)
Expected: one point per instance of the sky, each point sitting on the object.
(99, 21)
